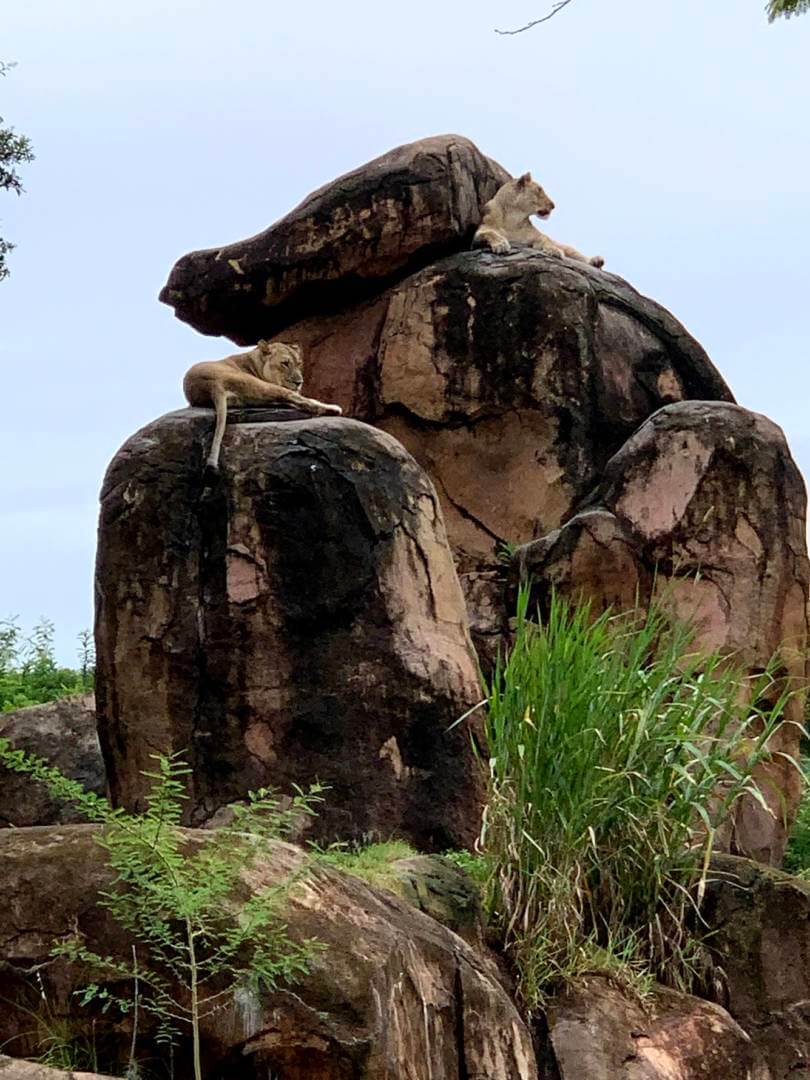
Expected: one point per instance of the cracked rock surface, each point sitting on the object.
(18, 1069)
(392, 995)
(299, 619)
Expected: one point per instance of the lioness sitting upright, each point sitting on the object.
(270, 374)
(505, 221)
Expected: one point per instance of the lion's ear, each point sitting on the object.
(263, 345)
(525, 179)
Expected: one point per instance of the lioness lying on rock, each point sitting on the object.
(270, 374)
(505, 221)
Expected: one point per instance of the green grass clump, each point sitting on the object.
(372, 863)
(797, 855)
(616, 749)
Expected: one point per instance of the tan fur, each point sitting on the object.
(505, 221)
(270, 374)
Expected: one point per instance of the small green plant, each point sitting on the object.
(475, 867)
(194, 945)
(505, 550)
(797, 856)
(615, 751)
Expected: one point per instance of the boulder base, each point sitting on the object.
(760, 923)
(597, 1033)
(392, 995)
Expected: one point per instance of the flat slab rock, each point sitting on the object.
(19, 1069)
(343, 242)
(393, 995)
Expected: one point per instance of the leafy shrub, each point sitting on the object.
(616, 750)
(29, 674)
(192, 947)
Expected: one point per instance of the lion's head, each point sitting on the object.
(529, 197)
(281, 364)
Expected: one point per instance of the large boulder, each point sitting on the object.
(64, 733)
(759, 924)
(346, 240)
(704, 508)
(392, 994)
(596, 1032)
(512, 379)
(300, 620)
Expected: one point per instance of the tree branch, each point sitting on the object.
(557, 8)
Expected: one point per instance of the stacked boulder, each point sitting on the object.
(306, 615)
(554, 408)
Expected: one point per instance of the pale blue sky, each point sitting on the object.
(672, 134)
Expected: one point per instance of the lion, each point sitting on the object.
(270, 374)
(505, 221)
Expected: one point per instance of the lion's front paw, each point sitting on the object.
(332, 410)
(500, 245)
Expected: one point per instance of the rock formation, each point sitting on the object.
(301, 620)
(516, 381)
(299, 617)
(512, 380)
(393, 995)
(64, 734)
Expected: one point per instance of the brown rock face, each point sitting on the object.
(512, 379)
(64, 733)
(598, 1034)
(348, 239)
(760, 923)
(392, 996)
(704, 507)
(301, 620)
